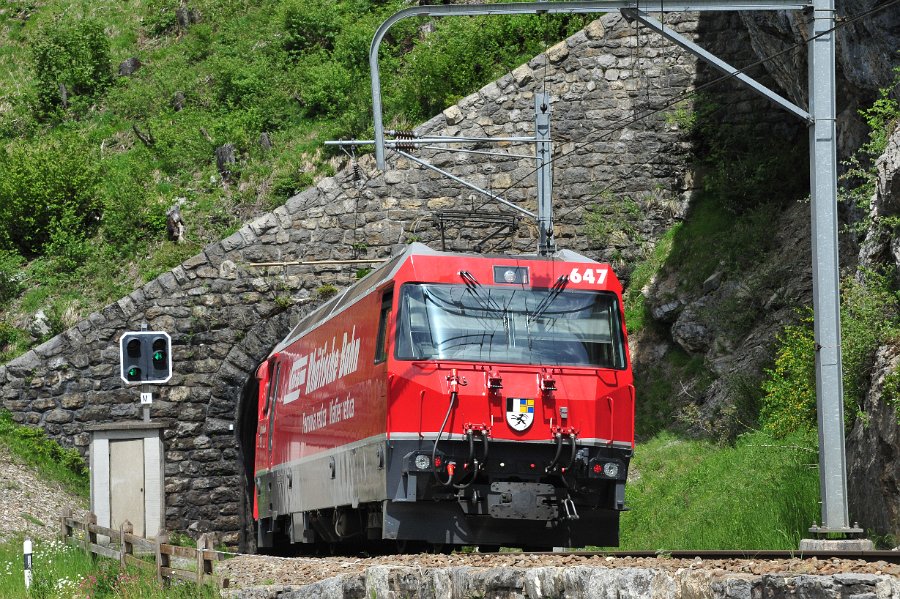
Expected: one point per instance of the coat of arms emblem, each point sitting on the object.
(519, 413)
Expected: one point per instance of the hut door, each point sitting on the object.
(126, 483)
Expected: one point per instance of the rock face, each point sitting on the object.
(873, 446)
(576, 583)
(224, 314)
(873, 452)
(866, 57)
(729, 323)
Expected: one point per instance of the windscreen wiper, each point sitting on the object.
(557, 288)
(474, 287)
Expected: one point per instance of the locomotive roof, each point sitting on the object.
(385, 272)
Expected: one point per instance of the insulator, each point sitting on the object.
(405, 134)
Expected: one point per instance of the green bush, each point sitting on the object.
(789, 403)
(870, 317)
(132, 213)
(327, 86)
(160, 16)
(73, 54)
(861, 176)
(46, 186)
(11, 275)
(310, 24)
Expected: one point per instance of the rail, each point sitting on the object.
(122, 544)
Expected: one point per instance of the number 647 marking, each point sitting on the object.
(589, 276)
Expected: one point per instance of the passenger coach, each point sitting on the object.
(451, 399)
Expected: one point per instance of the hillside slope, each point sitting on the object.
(30, 504)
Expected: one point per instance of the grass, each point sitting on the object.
(65, 572)
(31, 445)
(636, 311)
(757, 494)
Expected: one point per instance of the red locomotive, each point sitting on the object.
(451, 399)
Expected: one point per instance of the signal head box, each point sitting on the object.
(145, 357)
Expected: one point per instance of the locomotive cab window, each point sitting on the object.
(272, 387)
(511, 325)
(383, 319)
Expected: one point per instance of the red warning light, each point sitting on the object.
(532, 466)
(438, 462)
(597, 468)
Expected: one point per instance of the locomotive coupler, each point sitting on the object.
(569, 508)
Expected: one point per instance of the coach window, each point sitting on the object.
(385, 316)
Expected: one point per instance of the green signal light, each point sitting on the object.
(157, 355)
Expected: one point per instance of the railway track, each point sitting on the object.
(891, 557)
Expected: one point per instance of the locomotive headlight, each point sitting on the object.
(509, 276)
(611, 469)
(423, 462)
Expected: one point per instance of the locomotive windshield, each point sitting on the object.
(512, 325)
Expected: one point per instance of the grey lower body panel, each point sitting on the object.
(349, 476)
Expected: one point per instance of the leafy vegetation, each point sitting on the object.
(71, 66)
(32, 446)
(870, 305)
(859, 178)
(870, 318)
(92, 161)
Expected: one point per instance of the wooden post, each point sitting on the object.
(65, 531)
(162, 559)
(89, 537)
(202, 542)
(125, 548)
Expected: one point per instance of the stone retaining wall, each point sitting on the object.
(386, 582)
(224, 314)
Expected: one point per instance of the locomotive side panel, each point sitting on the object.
(328, 426)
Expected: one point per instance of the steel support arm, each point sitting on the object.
(716, 62)
(522, 8)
